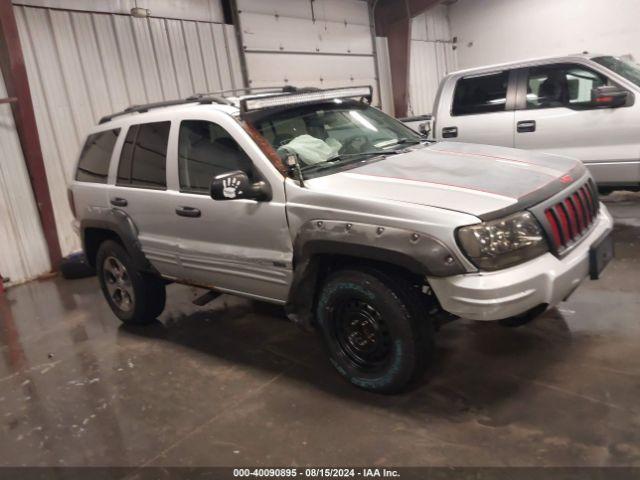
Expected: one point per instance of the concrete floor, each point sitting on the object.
(233, 383)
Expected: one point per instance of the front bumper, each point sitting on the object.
(516, 290)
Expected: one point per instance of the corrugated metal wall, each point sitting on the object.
(82, 66)
(324, 43)
(432, 57)
(23, 251)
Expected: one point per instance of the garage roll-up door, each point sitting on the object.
(320, 43)
(84, 65)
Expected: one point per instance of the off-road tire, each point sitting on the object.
(147, 291)
(401, 326)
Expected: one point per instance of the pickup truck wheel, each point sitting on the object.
(375, 329)
(135, 297)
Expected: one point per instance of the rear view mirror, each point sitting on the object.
(609, 96)
(236, 185)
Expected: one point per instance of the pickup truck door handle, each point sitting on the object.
(188, 212)
(526, 126)
(449, 132)
(119, 202)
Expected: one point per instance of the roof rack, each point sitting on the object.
(205, 98)
(201, 98)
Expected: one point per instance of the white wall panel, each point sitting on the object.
(497, 31)
(202, 10)
(324, 43)
(82, 66)
(23, 254)
(432, 57)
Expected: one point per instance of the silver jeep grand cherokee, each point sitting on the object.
(314, 200)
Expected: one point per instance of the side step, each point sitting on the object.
(205, 298)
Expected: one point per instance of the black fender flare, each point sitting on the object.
(416, 252)
(119, 223)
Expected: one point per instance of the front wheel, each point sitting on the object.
(375, 330)
(135, 297)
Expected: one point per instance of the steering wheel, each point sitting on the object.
(356, 144)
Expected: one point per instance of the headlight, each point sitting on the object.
(504, 242)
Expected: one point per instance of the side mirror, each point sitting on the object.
(425, 129)
(609, 96)
(236, 185)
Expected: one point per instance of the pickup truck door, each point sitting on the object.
(477, 109)
(555, 115)
(239, 246)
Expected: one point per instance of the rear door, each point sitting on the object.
(481, 110)
(141, 191)
(555, 115)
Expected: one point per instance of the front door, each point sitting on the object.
(238, 245)
(481, 111)
(556, 115)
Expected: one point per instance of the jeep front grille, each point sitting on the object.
(570, 219)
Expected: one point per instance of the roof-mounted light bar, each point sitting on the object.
(283, 100)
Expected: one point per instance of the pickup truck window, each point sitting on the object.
(561, 85)
(94, 160)
(481, 94)
(206, 150)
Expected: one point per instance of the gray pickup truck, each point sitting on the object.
(314, 200)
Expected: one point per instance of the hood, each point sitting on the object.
(481, 180)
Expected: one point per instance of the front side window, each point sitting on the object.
(144, 156)
(332, 135)
(624, 68)
(481, 94)
(206, 150)
(570, 86)
(93, 165)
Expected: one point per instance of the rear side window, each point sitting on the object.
(481, 94)
(93, 165)
(144, 156)
(206, 150)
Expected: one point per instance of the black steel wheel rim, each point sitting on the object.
(361, 333)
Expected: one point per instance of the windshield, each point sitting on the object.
(624, 68)
(330, 136)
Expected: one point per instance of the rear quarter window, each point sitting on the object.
(93, 165)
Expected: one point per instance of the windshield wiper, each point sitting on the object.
(408, 141)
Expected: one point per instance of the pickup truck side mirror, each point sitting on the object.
(425, 129)
(609, 96)
(236, 185)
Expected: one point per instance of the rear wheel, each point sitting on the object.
(134, 297)
(375, 329)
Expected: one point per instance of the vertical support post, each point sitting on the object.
(17, 83)
(393, 20)
(235, 16)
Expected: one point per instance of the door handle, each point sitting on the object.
(119, 202)
(188, 212)
(449, 132)
(527, 126)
